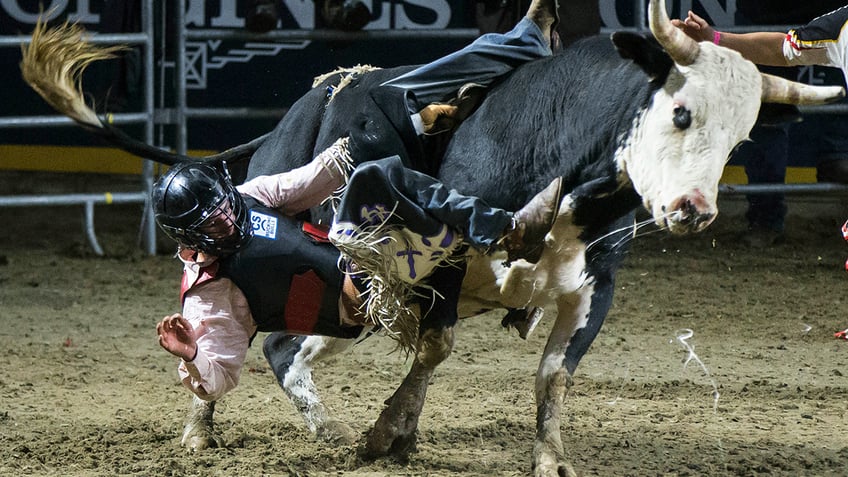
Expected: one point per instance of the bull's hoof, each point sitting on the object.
(337, 432)
(379, 444)
(196, 439)
(396, 431)
(199, 431)
(547, 465)
(562, 469)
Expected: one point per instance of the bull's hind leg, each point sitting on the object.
(291, 358)
(199, 432)
(395, 431)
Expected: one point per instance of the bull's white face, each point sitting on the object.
(674, 162)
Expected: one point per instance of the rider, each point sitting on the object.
(250, 266)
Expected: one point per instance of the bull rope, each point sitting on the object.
(347, 76)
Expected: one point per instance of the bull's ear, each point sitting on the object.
(645, 52)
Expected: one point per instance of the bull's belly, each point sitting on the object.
(561, 270)
(481, 286)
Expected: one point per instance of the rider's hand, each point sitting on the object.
(177, 336)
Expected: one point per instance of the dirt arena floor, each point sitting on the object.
(86, 391)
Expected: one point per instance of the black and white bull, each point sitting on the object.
(655, 131)
(652, 129)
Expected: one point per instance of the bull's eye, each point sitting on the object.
(682, 117)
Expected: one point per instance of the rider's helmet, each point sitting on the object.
(197, 205)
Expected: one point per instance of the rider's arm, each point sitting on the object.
(305, 187)
(218, 312)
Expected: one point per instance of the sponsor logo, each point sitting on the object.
(263, 225)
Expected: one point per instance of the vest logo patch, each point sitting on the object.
(263, 225)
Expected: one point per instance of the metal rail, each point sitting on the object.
(146, 117)
(87, 200)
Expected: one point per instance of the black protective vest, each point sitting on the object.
(292, 282)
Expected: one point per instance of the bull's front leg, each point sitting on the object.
(199, 432)
(395, 431)
(552, 382)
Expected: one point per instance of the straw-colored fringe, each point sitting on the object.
(53, 64)
(347, 76)
(336, 159)
(387, 299)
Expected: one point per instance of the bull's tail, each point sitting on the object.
(53, 64)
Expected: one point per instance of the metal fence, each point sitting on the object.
(145, 117)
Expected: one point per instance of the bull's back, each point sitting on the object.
(558, 116)
(312, 123)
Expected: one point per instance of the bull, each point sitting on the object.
(650, 126)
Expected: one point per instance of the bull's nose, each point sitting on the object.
(700, 221)
(692, 211)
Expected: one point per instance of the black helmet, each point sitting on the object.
(191, 193)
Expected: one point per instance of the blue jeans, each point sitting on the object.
(765, 159)
(420, 202)
(483, 61)
(420, 198)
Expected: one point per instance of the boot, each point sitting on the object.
(525, 237)
(545, 14)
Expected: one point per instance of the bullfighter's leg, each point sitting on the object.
(199, 432)
(395, 431)
(291, 357)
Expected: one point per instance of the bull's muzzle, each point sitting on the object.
(688, 214)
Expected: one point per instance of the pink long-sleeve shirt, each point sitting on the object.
(217, 309)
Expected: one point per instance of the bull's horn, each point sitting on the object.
(53, 64)
(682, 49)
(781, 90)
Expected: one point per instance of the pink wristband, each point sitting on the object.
(716, 36)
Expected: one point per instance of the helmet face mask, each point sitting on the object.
(198, 206)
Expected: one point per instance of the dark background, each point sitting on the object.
(277, 81)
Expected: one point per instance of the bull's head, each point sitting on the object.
(707, 104)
